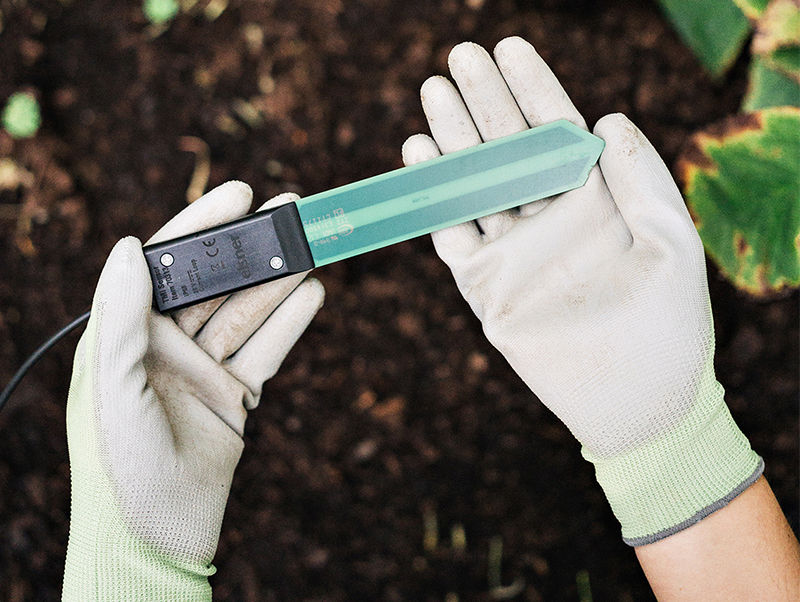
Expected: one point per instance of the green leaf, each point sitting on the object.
(21, 116)
(159, 12)
(742, 183)
(775, 67)
(715, 30)
(769, 88)
(777, 38)
(787, 61)
(753, 9)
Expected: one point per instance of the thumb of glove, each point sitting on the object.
(108, 374)
(116, 336)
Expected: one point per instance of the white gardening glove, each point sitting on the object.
(155, 417)
(597, 298)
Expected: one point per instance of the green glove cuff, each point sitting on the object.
(105, 560)
(684, 474)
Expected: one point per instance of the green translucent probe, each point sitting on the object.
(452, 189)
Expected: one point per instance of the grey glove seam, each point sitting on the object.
(700, 515)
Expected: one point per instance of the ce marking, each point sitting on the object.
(210, 243)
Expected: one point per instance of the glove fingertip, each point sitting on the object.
(438, 91)
(434, 85)
(616, 127)
(456, 242)
(281, 199)
(512, 45)
(232, 189)
(233, 197)
(464, 55)
(125, 280)
(313, 293)
(419, 148)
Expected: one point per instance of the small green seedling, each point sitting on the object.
(497, 590)
(21, 116)
(584, 586)
(159, 12)
(458, 549)
(742, 184)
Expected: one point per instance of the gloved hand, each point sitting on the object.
(155, 417)
(598, 298)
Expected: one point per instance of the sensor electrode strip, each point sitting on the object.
(405, 203)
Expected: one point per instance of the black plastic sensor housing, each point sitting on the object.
(260, 247)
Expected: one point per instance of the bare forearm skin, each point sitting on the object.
(744, 551)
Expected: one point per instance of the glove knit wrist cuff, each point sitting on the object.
(678, 478)
(105, 561)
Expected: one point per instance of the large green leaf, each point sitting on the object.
(742, 183)
(715, 30)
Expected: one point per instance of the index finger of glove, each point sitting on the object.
(538, 93)
(540, 97)
(485, 93)
(192, 319)
(453, 129)
(493, 109)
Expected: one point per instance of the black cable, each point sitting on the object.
(36, 356)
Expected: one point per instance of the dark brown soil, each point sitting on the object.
(393, 407)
